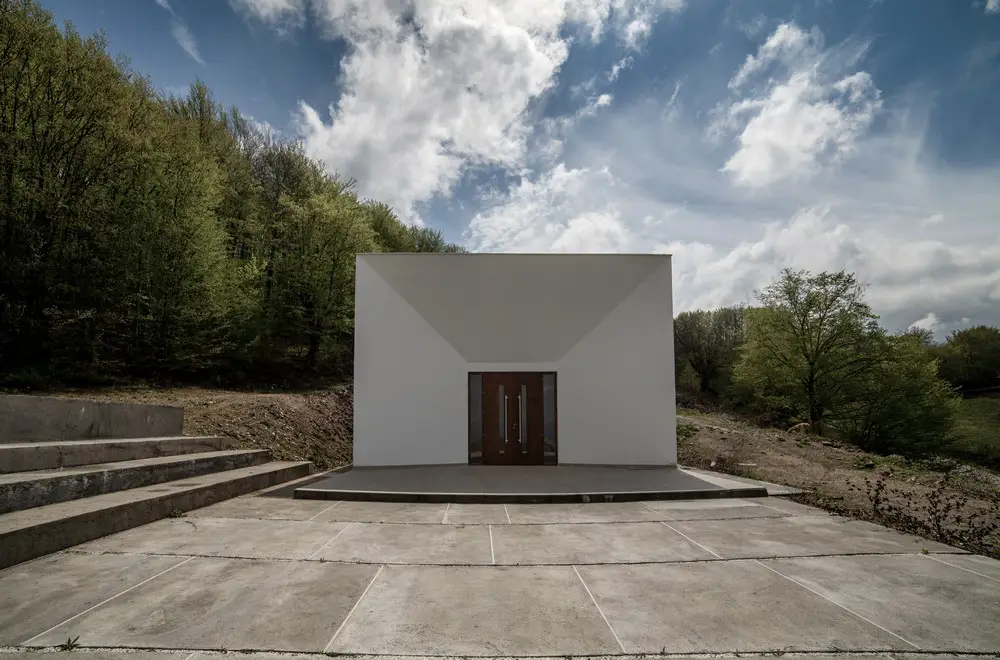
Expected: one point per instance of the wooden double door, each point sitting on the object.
(513, 419)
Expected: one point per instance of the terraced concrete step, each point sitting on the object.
(25, 490)
(27, 456)
(31, 418)
(35, 532)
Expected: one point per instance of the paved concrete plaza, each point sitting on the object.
(272, 576)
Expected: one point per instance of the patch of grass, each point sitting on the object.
(977, 430)
(685, 431)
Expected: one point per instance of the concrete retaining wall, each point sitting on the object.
(25, 418)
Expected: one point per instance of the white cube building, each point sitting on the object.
(514, 359)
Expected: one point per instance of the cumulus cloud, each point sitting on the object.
(810, 118)
(182, 33)
(432, 90)
(957, 281)
(993, 6)
(561, 211)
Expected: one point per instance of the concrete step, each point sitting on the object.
(27, 456)
(35, 532)
(25, 490)
(30, 418)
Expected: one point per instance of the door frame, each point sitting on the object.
(479, 418)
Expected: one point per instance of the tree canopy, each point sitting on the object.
(144, 234)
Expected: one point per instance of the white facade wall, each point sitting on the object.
(603, 323)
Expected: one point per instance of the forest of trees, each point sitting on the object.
(146, 235)
(813, 351)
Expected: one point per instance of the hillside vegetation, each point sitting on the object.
(154, 236)
(812, 355)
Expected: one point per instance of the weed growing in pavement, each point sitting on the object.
(69, 644)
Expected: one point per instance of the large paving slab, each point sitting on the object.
(714, 510)
(385, 512)
(977, 564)
(750, 508)
(713, 607)
(932, 605)
(43, 593)
(527, 514)
(798, 536)
(92, 654)
(463, 611)
(222, 537)
(476, 514)
(600, 543)
(410, 544)
(209, 603)
(265, 508)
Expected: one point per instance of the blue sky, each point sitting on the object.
(740, 136)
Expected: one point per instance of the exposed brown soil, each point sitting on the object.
(841, 477)
(314, 426)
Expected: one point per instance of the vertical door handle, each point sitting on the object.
(506, 417)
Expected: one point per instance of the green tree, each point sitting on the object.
(970, 358)
(811, 337)
(143, 235)
(899, 404)
(709, 341)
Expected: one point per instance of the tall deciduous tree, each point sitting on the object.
(146, 235)
(709, 341)
(812, 335)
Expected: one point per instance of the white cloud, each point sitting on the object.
(563, 210)
(449, 89)
(812, 119)
(993, 6)
(788, 45)
(280, 14)
(653, 186)
(182, 34)
(185, 39)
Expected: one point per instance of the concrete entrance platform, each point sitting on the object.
(262, 578)
(530, 484)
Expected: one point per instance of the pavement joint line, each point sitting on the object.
(961, 568)
(568, 522)
(599, 610)
(659, 513)
(343, 624)
(552, 564)
(786, 512)
(703, 547)
(844, 607)
(493, 556)
(444, 518)
(318, 514)
(335, 536)
(507, 513)
(191, 655)
(106, 600)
